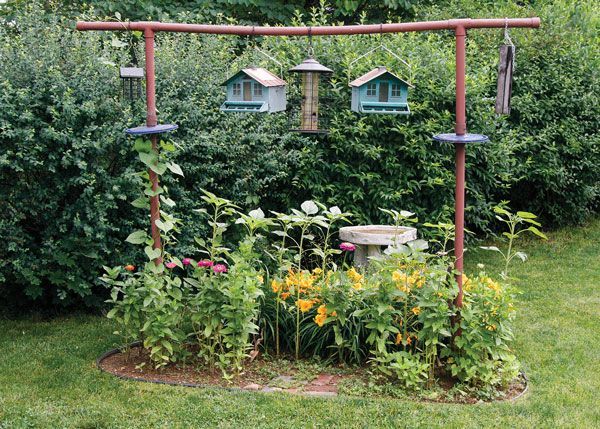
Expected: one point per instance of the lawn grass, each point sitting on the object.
(48, 376)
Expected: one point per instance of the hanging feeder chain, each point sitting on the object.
(310, 50)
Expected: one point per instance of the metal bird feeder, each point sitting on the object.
(131, 78)
(311, 71)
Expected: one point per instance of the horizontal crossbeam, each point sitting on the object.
(249, 30)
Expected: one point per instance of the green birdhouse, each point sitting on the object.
(254, 89)
(380, 91)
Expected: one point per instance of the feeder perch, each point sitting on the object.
(311, 71)
(254, 89)
(154, 129)
(380, 91)
(369, 239)
(131, 78)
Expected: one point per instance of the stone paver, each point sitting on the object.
(325, 385)
(321, 394)
(322, 380)
(252, 386)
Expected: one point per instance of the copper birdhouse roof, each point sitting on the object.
(376, 72)
(262, 76)
(311, 65)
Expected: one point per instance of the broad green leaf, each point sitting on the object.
(257, 214)
(148, 159)
(151, 161)
(141, 203)
(521, 255)
(175, 168)
(164, 226)
(494, 248)
(533, 222)
(309, 207)
(418, 244)
(537, 232)
(526, 215)
(169, 147)
(137, 237)
(152, 253)
(335, 210)
(167, 201)
(142, 146)
(500, 210)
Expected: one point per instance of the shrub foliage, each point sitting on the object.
(66, 168)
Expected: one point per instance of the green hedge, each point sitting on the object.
(66, 166)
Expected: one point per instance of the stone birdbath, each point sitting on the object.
(369, 239)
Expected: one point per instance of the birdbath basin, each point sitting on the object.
(369, 239)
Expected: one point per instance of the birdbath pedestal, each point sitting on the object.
(369, 239)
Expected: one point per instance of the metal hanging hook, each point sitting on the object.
(310, 50)
(507, 39)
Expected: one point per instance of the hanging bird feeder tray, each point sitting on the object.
(380, 91)
(255, 89)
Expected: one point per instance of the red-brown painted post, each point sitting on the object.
(151, 121)
(460, 129)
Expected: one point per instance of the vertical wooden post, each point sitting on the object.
(151, 121)
(460, 129)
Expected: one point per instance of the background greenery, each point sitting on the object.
(47, 378)
(65, 165)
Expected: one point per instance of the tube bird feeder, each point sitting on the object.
(311, 71)
(131, 78)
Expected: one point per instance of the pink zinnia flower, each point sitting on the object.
(205, 263)
(170, 265)
(347, 247)
(220, 268)
(186, 261)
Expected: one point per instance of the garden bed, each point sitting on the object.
(310, 378)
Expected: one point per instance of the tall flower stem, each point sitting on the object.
(510, 243)
(277, 323)
(304, 228)
(327, 237)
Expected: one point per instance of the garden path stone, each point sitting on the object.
(320, 394)
(252, 386)
(284, 379)
(268, 389)
(322, 380)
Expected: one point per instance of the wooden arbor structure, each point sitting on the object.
(460, 138)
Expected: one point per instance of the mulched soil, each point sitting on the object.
(267, 375)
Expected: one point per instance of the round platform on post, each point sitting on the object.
(156, 129)
(458, 138)
(369, 239)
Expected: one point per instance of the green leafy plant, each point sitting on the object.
(405, 367)
(482, 352)
(517, 224)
